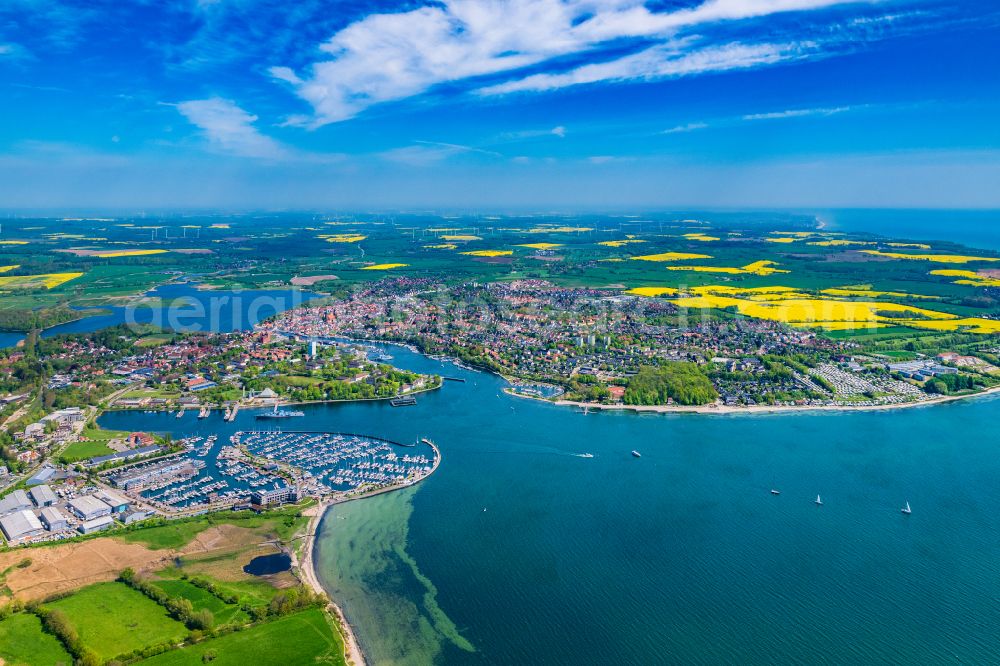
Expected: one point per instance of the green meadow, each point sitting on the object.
(306, 637)
(22, 642)
(112, 619)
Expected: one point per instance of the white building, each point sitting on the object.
(20, 525)
(89, 507)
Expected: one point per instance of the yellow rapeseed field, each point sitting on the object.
(970, 278)
(811, 310)
(757, 268)
(701, 237)
(620, 243)
(871, 293)
(970, 324)
(558, 230)
(796, 234)
(839, 242)
(13, 242)
(919, 246)
(671, 256)
(4, 269)
(110, 254)
(783, 239)
(541, 246)
(441, 246)
(489, 253)
(47, 280)
(343, 238)
(652, 291)
(383, 267)
(939, 258)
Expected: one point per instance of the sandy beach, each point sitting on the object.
(307, 571)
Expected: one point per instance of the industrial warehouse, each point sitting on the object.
(43, 514)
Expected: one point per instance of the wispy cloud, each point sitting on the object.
(387, 57)
(230, 129)
(425, 153)
(689, 127)
(796, 113)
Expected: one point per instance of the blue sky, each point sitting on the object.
(583, 104)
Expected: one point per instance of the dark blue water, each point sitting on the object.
(264, 565)
(183, 307)
(974, 228)
(519, 550)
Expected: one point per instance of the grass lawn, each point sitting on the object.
(282, 523)
(303, 638)
(83, 450)
(202, 599)
(102, 435)
(22, 641)
(112, 619)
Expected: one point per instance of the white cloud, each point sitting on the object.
(796, 113)
(657, 63)
(386, 57)
(425, 153)
(689, 127)
(230, 129)
(559, 131)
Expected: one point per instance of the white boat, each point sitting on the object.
(775, 492)
(906, 509)
(819, 502)
(636, 454)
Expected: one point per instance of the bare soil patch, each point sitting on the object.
(70, 566)
(310, 280)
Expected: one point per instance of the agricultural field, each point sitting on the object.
(113, 619)
(303, 638)
(22, 642)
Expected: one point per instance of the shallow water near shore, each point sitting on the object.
(518, 550)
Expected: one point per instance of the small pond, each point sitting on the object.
(268, 564)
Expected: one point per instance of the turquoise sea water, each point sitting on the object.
(974, 228)
(517, 550)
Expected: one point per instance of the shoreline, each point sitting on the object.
(306, 566)
(307, 570)
(756, 409)
(698, 409)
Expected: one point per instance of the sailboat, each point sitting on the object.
(819, 502)
(906, 509)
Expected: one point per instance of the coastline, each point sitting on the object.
(306, 565)
(307, 570)
(757, 409)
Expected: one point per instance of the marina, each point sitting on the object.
(213, 473)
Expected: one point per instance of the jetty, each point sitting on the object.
(403, 401)
(231, 412)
